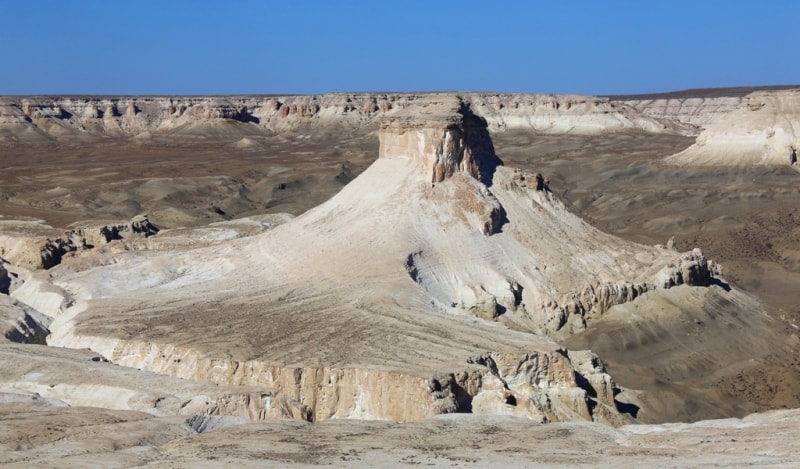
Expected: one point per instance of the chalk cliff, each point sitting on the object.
(71, 120)
(763, 130)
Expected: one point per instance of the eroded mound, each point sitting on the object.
(428, 285)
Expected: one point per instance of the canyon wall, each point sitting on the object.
(75, 119)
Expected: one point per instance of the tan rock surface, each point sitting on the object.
(45, 119)
(697, 111)
(82, 378)
(763, 130)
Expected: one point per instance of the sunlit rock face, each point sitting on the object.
(444, 136)
(71, 120)
(763, 130)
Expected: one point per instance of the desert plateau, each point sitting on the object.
(401, 279)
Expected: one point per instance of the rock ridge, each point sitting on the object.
(546, 386)
(74, 119)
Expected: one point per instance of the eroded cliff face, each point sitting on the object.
(83, 378)
(544, 386)
(763, 130)
(35, 245)
(447, 141)
(699, 112)
(69, 120)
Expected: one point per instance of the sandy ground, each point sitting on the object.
(181, 185)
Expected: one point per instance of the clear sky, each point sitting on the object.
(305, 47)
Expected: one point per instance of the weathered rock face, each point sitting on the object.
(545, 386)
(72, 119)
(445, 140)
(22, 324)
(102, 233)
(762, 130)
(691, 269)
(34, 245)
(81, 378)
(695, 111)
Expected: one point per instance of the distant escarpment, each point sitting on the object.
(75, 119)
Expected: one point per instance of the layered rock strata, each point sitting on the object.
(81, 378)
(763, 130)
(697, 111)
(389, 301)
(34, 245)
(70, 120)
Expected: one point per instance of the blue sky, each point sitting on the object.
(305, 47)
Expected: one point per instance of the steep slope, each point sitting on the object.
(389, 300)
(763, 130)
(698, 111)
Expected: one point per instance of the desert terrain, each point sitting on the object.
(400, 279)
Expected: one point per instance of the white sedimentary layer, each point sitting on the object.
(763, 130)
(696, 111)
(69, 118)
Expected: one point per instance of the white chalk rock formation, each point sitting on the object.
(691, 110)
(388, 301)
(67, 120)
(35, 245)
(82, 378)
(763, 130)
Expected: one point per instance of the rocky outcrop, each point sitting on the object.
(95, 234)
(691, 269)
(763, 130)
(34, 245)
(81, 378)
(434, 273)
(445, 140)
(696, 111)
(544, 386)
(557, 389)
